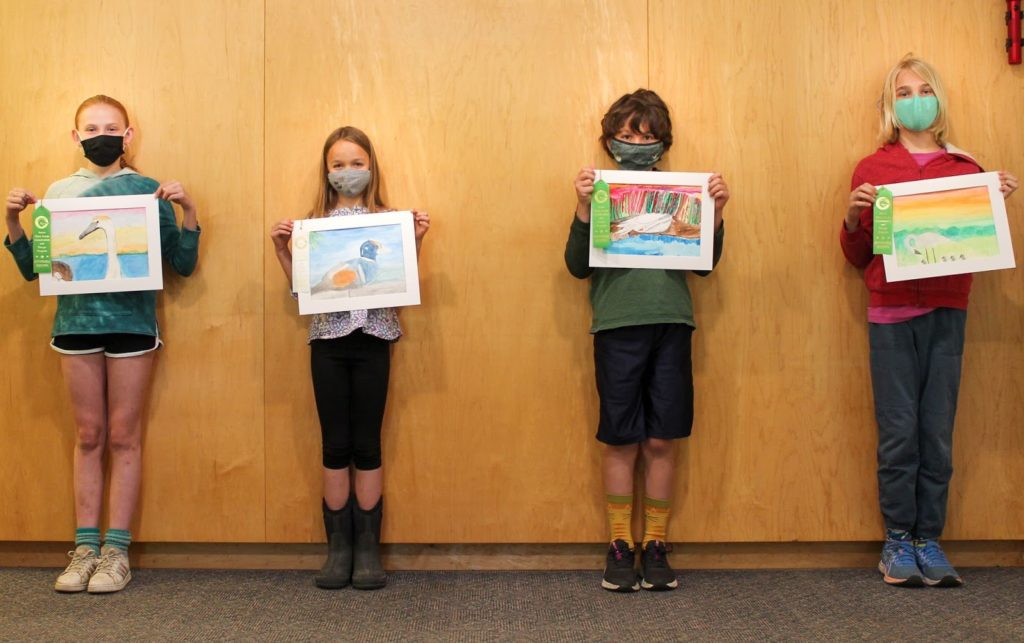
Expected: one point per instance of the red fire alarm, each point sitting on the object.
(1013, 31)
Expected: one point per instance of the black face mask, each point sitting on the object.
(104, 149)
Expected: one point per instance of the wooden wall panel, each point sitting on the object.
(781, 97)
(482, 113)
(191, 76)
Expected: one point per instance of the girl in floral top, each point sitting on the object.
(350, 363)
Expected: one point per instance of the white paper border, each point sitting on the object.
(411, 296)
(1003, 260)
(599, 258)
(155, 281)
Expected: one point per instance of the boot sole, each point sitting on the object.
(369, 585)
(329, 584)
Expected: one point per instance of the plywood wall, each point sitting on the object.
(482, 113)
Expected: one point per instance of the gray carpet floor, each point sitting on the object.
(195, 605)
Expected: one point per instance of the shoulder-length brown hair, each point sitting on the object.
(327, 196)
(100, 99)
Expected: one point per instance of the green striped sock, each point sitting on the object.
(119, 538)
(88, 536)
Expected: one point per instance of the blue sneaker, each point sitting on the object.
(899, 562)
(934, 565)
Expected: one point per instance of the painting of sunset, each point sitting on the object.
(948, 226)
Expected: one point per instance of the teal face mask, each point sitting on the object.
(918, 113)
(636, 156)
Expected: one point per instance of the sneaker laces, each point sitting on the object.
(657, 552)
(901, 552)
(111, 562)
(78, 561)
(619, 552)
(932, 554)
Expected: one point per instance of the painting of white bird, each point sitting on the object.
(104, 223)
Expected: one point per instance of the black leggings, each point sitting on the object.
(350, 383)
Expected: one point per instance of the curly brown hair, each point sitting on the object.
(633, 110)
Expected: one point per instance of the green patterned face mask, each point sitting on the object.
(918, 113)
(636, 156)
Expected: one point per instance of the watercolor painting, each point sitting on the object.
(658, 220)
(103, 244)
(355, 262)
(100, 244)
(948, 226)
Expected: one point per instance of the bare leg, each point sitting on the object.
(369, 487)
(619, 463)
(336, 487)
(659, 467)
(85, 376)
(128, 383)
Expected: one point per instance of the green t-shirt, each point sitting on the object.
(632, 296)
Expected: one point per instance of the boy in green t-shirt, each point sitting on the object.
(642, 326)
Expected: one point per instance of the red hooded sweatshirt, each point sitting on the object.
(892, 163)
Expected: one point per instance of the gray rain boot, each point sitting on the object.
(367, 573)
(337, 570)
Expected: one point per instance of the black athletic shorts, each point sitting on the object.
(110, 344)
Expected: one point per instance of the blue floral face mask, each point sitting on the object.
(918, 113)
(636, 156)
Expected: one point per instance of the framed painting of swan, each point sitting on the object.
(658, 220)
(103, 244)
(355, 262)
(948, 226)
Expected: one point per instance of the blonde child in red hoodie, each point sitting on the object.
(916, 332)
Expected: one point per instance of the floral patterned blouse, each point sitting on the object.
(379, 322)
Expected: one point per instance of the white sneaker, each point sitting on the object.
(112, 573)
(75, 578)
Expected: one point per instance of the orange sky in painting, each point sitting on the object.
(943, 208)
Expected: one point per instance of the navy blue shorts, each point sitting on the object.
(645, 382)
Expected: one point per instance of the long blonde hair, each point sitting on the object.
(327, 196)
(889, 129)
(100, 99)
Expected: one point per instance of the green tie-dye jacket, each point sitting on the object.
(118, 312)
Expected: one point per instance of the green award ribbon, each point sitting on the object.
(882, 239)
(41, 239)
(601, 215)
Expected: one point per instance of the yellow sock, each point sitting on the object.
(655, 519)
(620, 518)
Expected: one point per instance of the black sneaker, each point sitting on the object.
(619, 572)
(657, 574)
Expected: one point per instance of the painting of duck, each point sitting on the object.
(353, 273)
